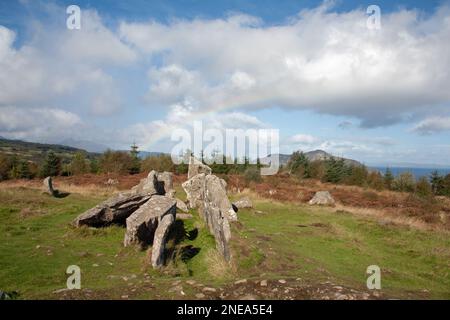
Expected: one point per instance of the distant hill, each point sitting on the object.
(36, 152)
(84, 145)
(311, 156)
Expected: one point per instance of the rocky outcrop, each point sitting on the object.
(244, 202)
(322, 198)
(197, 167)
(48, 186)
(142, 224)
(159, 242)
(114, 210)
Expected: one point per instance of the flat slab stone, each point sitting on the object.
(159, 242)
(142, 224)
(114, 210)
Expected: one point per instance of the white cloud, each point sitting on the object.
(432, 125)
(303, 139)
(37, 124)
(328, 62)
(60, 64)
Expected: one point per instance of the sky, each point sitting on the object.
(137, 70)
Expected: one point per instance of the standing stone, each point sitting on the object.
(194, 188)
(196, 167)
(322, 198)
(165, 183)
(141, 225)
(219, 227)
(149, 185)
(114, 210)
(216, 193)
(48, 185)
(160, 239)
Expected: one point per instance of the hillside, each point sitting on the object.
(35, 152)
(311, 156)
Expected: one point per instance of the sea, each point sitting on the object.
(417, 172)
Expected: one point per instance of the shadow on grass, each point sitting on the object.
(178, 233)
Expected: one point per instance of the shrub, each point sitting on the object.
(388, 179)
(115, 162)
(78, 164)
(404, 182)
(162, 162)
(252, 175)
(299, 165)
(375, 180)
(51, 165)
(423, 188)
(358, 176)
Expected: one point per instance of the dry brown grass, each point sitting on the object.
(218, 267)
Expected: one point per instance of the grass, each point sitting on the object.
(37, 244)
(318, 244)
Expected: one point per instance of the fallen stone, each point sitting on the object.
(114, 210)
(160, 239)
(244, 203)
(181, 205)
(322, 198)
(142, 224)
(48, 185)
(196, 167)
(199, 295)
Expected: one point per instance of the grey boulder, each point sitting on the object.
(141, 225)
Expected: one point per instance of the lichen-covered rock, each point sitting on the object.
(217, 194)
(196, 167)
(244, 202)
(195, 189)
(141, 225)
(159, 242)
(149, 185)
(114, 210)
(219, 227)
(322, 198)
(181, 205)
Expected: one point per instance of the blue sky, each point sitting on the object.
(138, 70)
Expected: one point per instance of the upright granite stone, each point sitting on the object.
(141, 225)
(114, 210)
(219, 227)
(195, 189)
(48, 186)
(165, 183)
(148, 185)
(197, 167)
(216, 193)
(160, 239)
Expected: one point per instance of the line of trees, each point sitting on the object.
(333, 170)
(337, 171)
